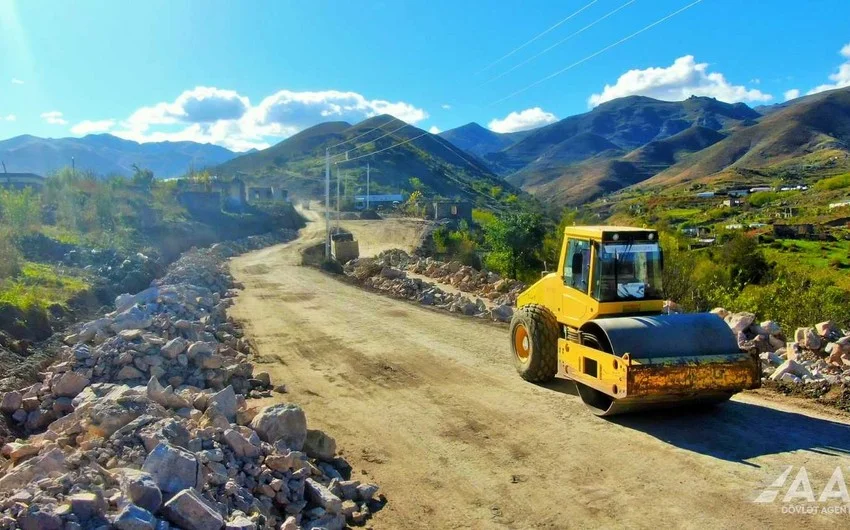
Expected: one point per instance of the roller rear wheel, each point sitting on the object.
(534, 343)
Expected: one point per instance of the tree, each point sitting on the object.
(142, 177)
(745, 261)
(416, 184)
(514, 240)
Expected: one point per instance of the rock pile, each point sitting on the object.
(816, 355)
(145, 423)
(388, 273)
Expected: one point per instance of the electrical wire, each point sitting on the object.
(600, 52)
(565, 39)
(364, 134)
(502, 58)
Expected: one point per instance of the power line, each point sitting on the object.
(565, 39)
(500, 59)
(603, 50)
(384, 149)
(364, 134)
(376, 139)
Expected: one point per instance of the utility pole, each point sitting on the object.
(367, 185)
(337, 197)
(73, 167)
(327, 204)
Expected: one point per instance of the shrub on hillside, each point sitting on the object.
(10, 256)
(833, 183)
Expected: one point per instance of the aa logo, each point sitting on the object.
(800, 489)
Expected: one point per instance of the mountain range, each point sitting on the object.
(640, 141)
(397, 152)
(628, 142)
(105, 154)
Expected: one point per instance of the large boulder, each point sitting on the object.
(165, 396)
(740, 321)
(319, 445)
(225, 402)
(132, 517)
(133, 318)
(140, 488)
(69, 384)
(189, 510)
(808, 338)
(285, 423)
(173, 469)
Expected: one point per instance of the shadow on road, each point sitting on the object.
(736, 431)
(733, 431)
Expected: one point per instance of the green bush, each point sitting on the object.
(761, 198)
(833, 183)
(10, 257)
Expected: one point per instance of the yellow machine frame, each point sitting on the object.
(623, 379)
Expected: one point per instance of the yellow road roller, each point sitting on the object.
(598, 321)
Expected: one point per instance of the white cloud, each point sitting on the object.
(90, 127)
(54, 117)
(446, 106)
(224, 117)
(794, 93)
(16, 81)
(684, 78)
(841, 78)
(434, 130)
(10, 117)
(523, 120)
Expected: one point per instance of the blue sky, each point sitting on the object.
(247, 74)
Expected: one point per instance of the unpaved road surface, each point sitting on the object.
(427, 405)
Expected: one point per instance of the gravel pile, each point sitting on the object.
(388, 273)
(146, 422)
(819, 355)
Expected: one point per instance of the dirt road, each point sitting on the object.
(428, 405)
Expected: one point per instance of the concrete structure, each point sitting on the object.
(795, 231)
(200, 202)
(267, 194)
(232, 193)
(445, 209)
(377, 200)
(20, 181)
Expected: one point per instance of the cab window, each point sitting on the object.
(577, 265)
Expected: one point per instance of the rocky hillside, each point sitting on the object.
(298, 162)
(104, 154)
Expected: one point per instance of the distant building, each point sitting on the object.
(839, 204)
(232, 193)
(267, 194)
(794, 231)
(20, 181)
(760, 188)
(200, 203)
(738, 193)
(788, 212)
(705, 195)
(700, 231)
(376, 200)
(732, 203)
(444, 209)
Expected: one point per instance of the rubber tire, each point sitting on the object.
(542, 328)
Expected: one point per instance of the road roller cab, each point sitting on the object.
(597, 320)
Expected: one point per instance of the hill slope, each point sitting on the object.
(803, 138)
(105, 154)
(298, 162)
(617, 144)
(479, 141)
